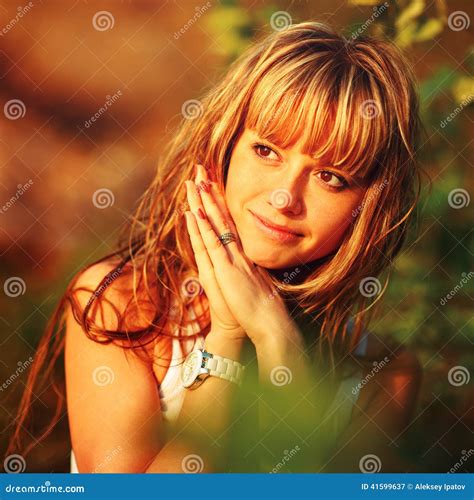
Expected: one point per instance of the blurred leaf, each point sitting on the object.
(233, 26)
(429, 30)
(442, 80)
(463, 90)
(406, 36)
(409, 14)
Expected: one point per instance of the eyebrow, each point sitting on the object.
(325, 160)
(355, 180)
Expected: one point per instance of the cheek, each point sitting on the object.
(331, 215)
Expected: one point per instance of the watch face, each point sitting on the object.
(191, 368)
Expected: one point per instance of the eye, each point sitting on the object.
(263, 151)
(331, 179)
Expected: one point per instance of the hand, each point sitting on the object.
(222, 320)
(240, 293)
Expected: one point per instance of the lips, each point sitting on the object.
(276, 227)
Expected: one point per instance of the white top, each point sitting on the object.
(172, 392)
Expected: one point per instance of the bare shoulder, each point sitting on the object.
(113, 402)
(106, 288)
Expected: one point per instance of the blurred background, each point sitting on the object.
(90, 91)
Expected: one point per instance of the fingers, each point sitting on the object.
(203, 260)
(207, 277)
(209, 240)
(216, 198)
(218, 214)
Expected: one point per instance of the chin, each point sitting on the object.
(264, 257)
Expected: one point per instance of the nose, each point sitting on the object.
(287, 197)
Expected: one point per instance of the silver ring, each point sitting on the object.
(226, 238)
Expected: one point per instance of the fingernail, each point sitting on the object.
(204, 186)
(201, 214)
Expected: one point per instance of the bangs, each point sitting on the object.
(333, 107)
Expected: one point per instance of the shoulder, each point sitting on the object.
(120, 307)
(111, 390)
(112, 297)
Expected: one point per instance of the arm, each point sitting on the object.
(204, 418)
(114, 408)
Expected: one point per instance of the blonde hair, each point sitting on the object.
(354, 103)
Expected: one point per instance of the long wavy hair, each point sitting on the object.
(352, 101)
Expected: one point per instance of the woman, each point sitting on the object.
(260, 240)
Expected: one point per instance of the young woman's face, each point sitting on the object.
(267, 185)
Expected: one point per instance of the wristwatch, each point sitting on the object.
(200, 364)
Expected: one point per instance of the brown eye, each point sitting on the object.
(264, 151)
(331, 179)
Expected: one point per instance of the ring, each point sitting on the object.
(226, 238)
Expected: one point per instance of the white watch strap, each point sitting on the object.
(225, 368)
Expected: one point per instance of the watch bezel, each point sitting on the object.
(199, 373)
